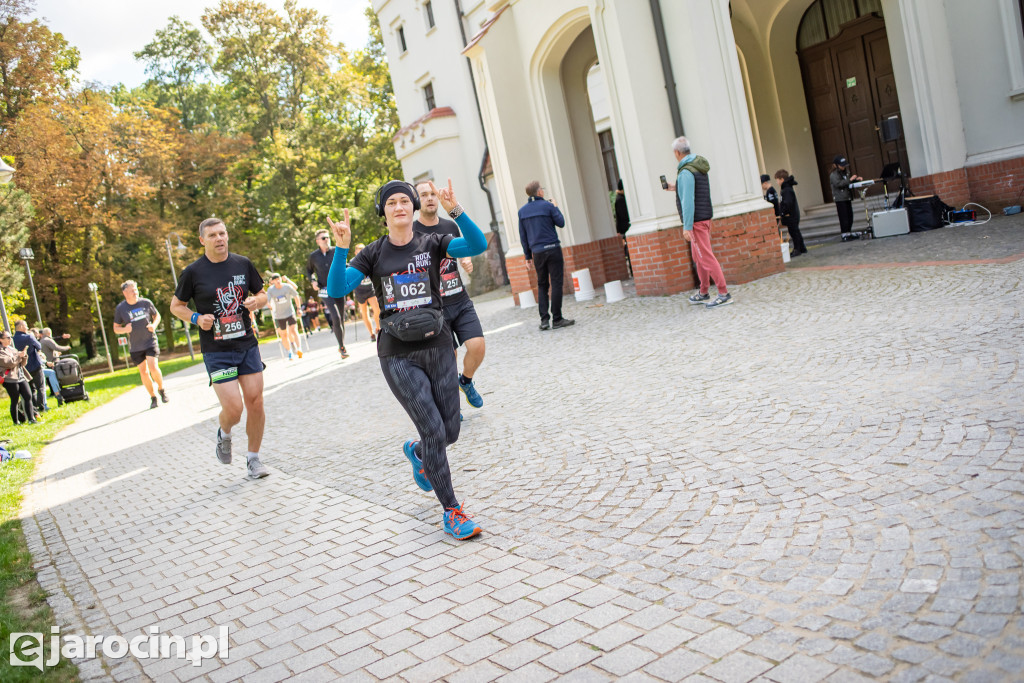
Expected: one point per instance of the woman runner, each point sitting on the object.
(404, 267)
(367, 300)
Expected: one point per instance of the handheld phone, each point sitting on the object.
(664, 183)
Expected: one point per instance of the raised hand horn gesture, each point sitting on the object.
(341, 231)
(446, 196)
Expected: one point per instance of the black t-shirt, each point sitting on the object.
(452, 288)
(139, 314)
(220, 289)
(403, 278)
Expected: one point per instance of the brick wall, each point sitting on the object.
(747, 246)
(950, 186)
(994, 185)
(605, 258)
(997, 185)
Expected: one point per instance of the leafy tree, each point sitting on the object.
(178, 61)
(34, 62)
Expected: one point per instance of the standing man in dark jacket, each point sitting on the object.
(770, 195)
(538, 219)
(790, 210)
(317, 266)
(23, 341)
(840, 180)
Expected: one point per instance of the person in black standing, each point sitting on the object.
(840, 180)
(318, 265)
(226, 288)
(24, 341)
(417, 361)
(770, 195)
(622, 222)
(789, 210)
(138, 318)
(458, 309)
(538, 219)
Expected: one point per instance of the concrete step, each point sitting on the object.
(822, 221)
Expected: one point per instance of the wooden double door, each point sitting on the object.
(850, 88)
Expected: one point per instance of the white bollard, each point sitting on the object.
(583, 285)
(613, 291)
(526, 299)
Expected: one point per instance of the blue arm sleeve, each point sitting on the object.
(684, 186)
(342, 279)
(471, 243)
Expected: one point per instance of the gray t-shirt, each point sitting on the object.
(280, 300)
(139, 314)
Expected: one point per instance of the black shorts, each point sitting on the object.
(363, 293)
(463, 321)
(139, 357)
(228, 366)
(283, 323)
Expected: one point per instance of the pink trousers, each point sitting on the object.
(708, 267)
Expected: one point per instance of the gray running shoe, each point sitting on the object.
(256, 469)
(699, 298)
(722, 300)
(223, 447)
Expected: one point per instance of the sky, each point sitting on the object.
(109, 32)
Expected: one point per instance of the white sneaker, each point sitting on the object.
(256, 468)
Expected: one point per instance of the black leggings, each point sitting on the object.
(336, 311)
(20, 391)
(425, 383)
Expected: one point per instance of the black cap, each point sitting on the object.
(765, 178)
(840, 160)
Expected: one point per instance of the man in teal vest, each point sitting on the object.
(693, 201)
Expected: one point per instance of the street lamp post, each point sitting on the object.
(27, 255)
(3, 313)
(174, 274)
(94, 289)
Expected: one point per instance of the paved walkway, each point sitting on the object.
(822, 482)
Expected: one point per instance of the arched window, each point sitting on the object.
(825, 18)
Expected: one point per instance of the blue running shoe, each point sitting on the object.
(472, 395)
(459, 524)
(417, 467)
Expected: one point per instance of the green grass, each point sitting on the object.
(23, 606)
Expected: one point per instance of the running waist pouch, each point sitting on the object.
(416, 324)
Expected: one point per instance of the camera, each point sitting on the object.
(664, 183)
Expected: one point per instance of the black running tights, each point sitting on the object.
(425, 383)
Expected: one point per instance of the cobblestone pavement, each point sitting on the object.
(1000, 238)
(821, 482)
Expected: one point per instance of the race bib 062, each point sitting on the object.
(406, 290)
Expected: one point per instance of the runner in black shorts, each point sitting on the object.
(138, 318)
(458, 309)
(420, 369)
(226, 288)
(367, 300)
